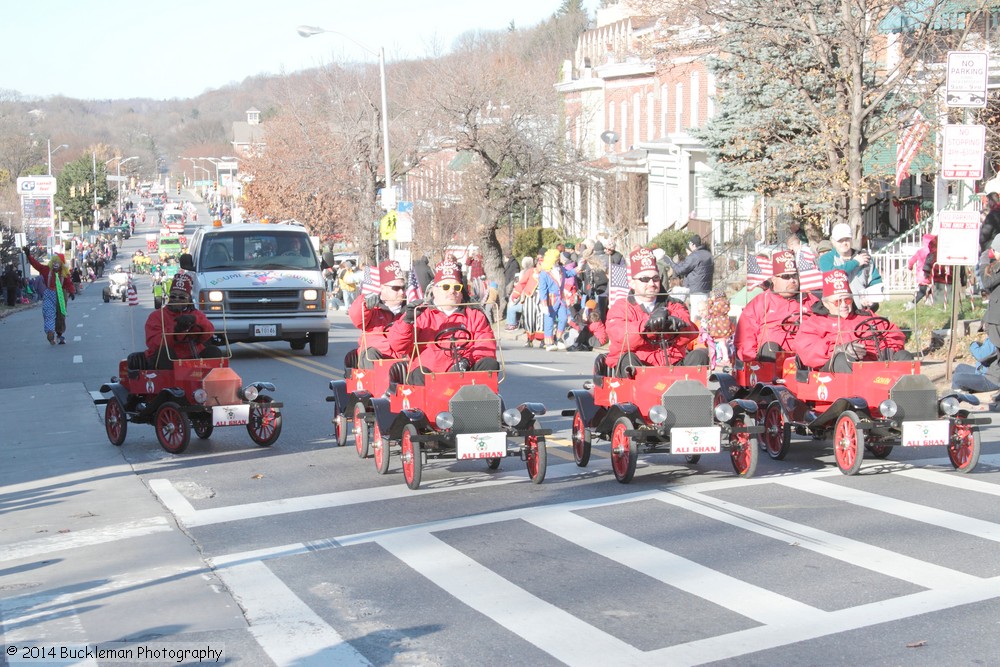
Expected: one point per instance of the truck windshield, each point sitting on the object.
(257, 250)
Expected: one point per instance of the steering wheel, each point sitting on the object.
(290, 253)
(453, 339)
(790, 325)
(874, 330)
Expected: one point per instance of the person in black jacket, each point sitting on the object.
(991, 223)
(696, 269)
(423, 272)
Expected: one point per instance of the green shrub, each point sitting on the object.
(527, 242)
(673, 242)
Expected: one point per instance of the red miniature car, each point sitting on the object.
(352, 400)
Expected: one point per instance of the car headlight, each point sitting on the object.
(888, 408)
(511, 417)
(310, 295)
(250, 392)
(949, 405)
(658, 414)
(200, 395)
(215, 296)
(723, 412)
(444, 420)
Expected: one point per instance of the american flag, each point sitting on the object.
(617, 283)
(909, 142)
(370, 282)
(413, 291)
(758, 270)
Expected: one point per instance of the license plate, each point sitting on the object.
(481, 445)
(230, 415)
(926, 433)
(696, 440)
(265, 330)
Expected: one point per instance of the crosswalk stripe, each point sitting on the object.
(963, 483)
(914, 512)
(859, 554)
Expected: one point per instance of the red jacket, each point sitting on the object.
(624, 325)
(182, 346)
(760, 322)
(374, 324)
(821, 332)
(430, 321)
(46, 273)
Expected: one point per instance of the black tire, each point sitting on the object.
(203, 427)
(493, 463)
(173, 428)
(115, 422)
(106, 296)
(381, 450)
(879, 451)
(319, 343)
(410, 457)
(965, 446)
(581, 440)
(743, 449)
(264, 425)
(340, 429)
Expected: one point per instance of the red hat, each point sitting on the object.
(783, 261)
(641, 260)
(835, 283)
(390, 270)
(447, 271)
(182, 283)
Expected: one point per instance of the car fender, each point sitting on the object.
(584, 402)
(383, 414)
(117, 390)
(838, 407)
(729, 389)
(410, 416)
(607, 422)
(339, 397)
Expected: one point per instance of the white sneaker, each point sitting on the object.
(560, 345)
(551, 348)
(908, 306)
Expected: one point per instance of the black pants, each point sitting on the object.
(162, 362)
(488, 364)
(697, 357)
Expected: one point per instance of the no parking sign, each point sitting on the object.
(958, 238)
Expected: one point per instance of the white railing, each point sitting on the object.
(896, 276)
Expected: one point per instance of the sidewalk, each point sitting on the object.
(87, 553)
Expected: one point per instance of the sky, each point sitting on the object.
(165, 49)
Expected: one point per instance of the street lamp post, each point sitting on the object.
(387, 196)
(58, 148)
(119, 176)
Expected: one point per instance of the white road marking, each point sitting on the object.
(28, 618)
(77, 339)
(172, 500)
(80, 326)
(543, 368)
(77, 358)
(83, 538)
(285, 627)
(961, 482)
(901, 508)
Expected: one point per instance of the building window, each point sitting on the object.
(650, 116)
(678, 107)
(664, 109)
(636, 119)
(695, 120)
(624, 134)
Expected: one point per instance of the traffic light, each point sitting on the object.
(215, 186)
(178, 187)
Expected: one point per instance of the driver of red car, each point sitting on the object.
(429, 346)
(637, 323)
(769, 321)
(376, 313)
(833, 335)
(179, 327)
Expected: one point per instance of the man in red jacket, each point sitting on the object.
(829, 338)
(637, 323)
(375, 313)
(769, 321)
(178, 330)
(417, 332)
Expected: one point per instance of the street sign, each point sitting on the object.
(962, 155)
(958, 238)
(967, 76)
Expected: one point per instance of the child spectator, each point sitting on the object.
(586, 330)
(923, 261)
(717, 331)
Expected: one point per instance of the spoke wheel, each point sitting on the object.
(380, 449)
(743, 448)
(581, 441)
(493, 463)
(173, 430)
(115, 422)
(203, 427)
(879, 451)
(776, 438)
(623, 451)
(963, 450)
(340, 429)
(848, 443)
(536, 457)
(411, 458)
(264, 425)
(360, 431)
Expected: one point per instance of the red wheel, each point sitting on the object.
(536, 458)
(848, 443)
(410, 457)
(776, 438)
(173, 430)
(264, 425)
(879, 451)
(115, 422)
(581, 441)
(360, 431)
(380, 449)
(623, 451)
(963, 450)
(340, 429)
(743, 448)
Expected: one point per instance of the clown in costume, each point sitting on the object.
(58, 286)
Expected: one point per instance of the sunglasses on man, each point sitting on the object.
(649, 279)
(396, 288)
(450, 287)
(789, 276)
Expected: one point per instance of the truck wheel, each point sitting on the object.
(319, 343)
